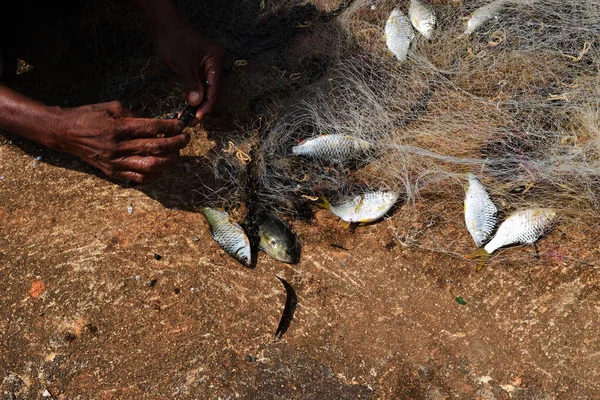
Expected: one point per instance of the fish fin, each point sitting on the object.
(324, 203)
(482, 255)
(346, 224)
(364, 222)
(359, 205)
(192, 208)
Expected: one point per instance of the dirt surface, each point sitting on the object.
(97, 302)
(88, 311)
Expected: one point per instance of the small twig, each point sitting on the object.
(244, 158)
(303, 24)
(496, 38)
(311, 198)
(557, 97)
(586, 47)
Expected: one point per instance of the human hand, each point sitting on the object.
(198, 60)
(109, 137)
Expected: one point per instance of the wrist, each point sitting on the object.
(29, 118)
(161, 15)
(55, 136)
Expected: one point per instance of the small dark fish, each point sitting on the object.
(288, 311)
(277, 239)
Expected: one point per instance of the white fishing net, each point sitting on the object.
(515, 102)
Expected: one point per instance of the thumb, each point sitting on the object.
(194, 97)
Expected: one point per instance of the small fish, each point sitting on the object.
(228, 234)
(523, 227)
(364, 208)
(484, 14)
(336, 147)
(277, 239)
(481, 215)
(422, 17)
(399, 34)
(291, 301)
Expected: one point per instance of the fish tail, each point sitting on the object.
(323, 202)
(482, 255)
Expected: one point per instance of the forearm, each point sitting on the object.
(28, 118)
(160, 15)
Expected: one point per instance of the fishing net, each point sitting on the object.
(515, 102)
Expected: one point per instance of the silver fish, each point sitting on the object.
(422, 17)
(228, 234)
(277, 239)
(365, 208)
(523, 227)
(337, 148)
(399, 34)
(481, 215)
(484, 14)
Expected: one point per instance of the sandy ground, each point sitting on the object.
(89, 311)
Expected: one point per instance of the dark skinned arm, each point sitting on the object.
(105, 135)
(108, 136)
(193, 56)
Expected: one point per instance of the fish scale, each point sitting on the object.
(335, 147)
(523, 227)
(422, 17)
(484, 14)
(399, 34)
(481, 215)
(228, 234)
(365, 208)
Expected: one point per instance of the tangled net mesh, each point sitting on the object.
(516, 102)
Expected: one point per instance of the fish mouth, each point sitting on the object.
(242, 258)
(292, 257)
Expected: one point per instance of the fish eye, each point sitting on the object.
(244, 259)
(273, 241)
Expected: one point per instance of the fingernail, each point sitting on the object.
(193, 97)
